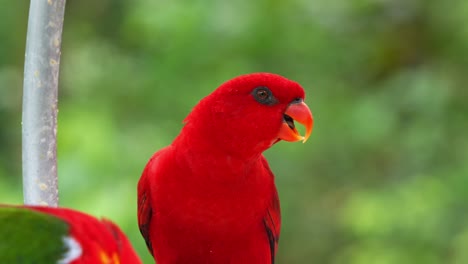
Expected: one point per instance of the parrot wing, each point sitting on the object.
(145, 209)
(272, 220)
(28, 235)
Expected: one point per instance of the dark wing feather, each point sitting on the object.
(145, 211)
(272, 220)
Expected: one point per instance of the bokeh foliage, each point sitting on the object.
(384, 176)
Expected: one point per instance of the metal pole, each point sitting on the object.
(40, 89)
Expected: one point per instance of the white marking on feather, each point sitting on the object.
(73, 252)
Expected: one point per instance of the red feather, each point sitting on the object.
(272, 220)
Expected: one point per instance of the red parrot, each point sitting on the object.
(210, 196)
(46, 235)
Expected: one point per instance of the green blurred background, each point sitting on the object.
(384, 177)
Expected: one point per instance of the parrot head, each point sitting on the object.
(248, 114)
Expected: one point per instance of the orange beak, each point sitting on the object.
(300, 113)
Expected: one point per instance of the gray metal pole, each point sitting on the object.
(40, 89)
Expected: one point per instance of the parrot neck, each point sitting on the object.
(203, 136)
(200, 145)
(211, 157)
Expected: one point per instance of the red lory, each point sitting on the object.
(46, 235)
(210, 197)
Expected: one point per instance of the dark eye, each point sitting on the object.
(263, 95)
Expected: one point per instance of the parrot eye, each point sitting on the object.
(263, 95)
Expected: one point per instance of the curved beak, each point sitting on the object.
(300, 113)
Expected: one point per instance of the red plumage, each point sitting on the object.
(210, 196)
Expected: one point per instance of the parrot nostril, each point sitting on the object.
(289, 121)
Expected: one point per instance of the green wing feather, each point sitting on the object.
(31, 237)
